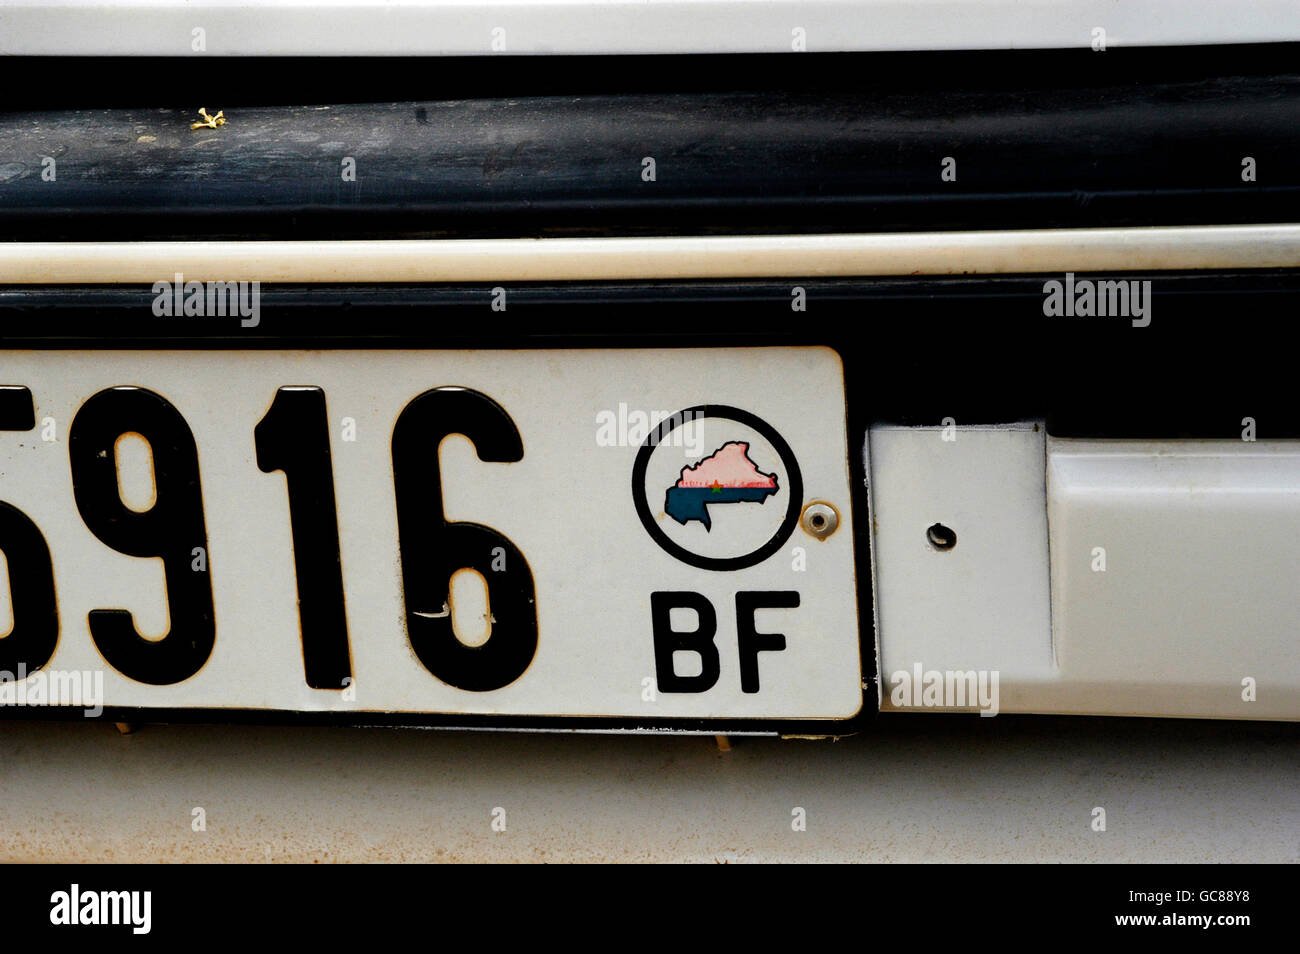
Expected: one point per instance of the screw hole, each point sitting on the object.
(941, 537)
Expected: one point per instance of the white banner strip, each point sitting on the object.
(488, 27)
(614, 259)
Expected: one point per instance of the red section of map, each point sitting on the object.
(728, 466)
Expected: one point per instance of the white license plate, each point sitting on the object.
(611, 534)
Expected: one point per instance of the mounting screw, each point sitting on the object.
(819, 520)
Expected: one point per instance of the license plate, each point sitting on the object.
(533, 537)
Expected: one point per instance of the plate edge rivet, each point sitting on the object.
(819, 519)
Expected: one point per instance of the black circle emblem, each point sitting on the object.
(794, 482)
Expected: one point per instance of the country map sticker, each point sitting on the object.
(726, 476)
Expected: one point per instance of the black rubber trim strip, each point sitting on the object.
(922, 349)
(1102, 150)
(114, 82)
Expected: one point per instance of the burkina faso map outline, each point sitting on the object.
(726, 476)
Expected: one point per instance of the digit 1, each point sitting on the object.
(294, 438)
(30, 642)
(433, 548)
(171, 529)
